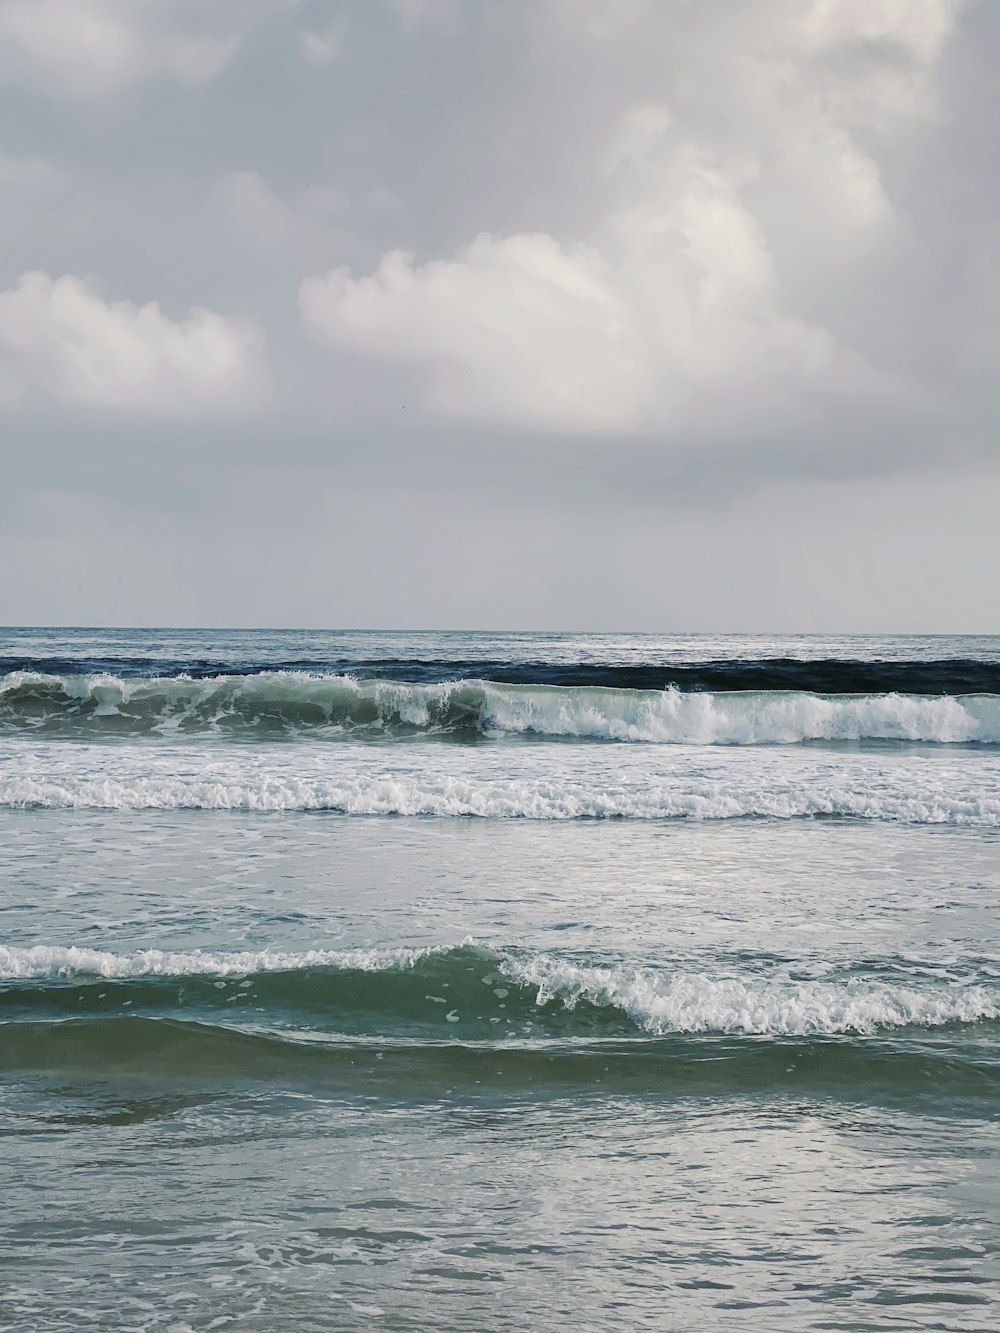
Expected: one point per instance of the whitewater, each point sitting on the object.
(538, 782)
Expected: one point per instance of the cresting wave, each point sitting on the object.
(284, 704)
(470, 992)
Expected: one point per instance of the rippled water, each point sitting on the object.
(319, 1016)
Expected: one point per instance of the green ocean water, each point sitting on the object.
(307, 1029)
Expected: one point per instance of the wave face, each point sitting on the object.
(412, 1023)
(286, 704)
(470, 993)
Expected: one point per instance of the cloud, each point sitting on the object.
(520, 329)
(318, 50)
(321, 48)
(60, 340)
(732, 214)
(919, 26)
(97, 48)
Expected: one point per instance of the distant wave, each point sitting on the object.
(469, 991)
(957, 675)
(282, 704)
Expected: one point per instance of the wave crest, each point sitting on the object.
(471, 991)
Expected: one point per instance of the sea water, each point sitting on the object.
(475, 981)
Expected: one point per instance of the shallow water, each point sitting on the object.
(393, 1027)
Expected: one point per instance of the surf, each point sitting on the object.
(472, 991)
(284, 705)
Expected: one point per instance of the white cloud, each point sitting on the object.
(97, 48)
(734, 211)
(675, 297)
(321, 48)
(512, 328)
(521, 329)
(920, 26)
(61, 340)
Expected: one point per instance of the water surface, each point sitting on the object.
(521, 981)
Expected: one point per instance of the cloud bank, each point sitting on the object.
(691, 285)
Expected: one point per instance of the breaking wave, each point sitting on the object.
(472, 992)
(285, 704)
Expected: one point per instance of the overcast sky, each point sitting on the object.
(651, 314)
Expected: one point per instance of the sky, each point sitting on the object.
(666, 315)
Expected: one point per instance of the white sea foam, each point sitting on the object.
(543, 781)
(690, 1002)
(742, 718)
(297, 701)
(42, 961)
(499, 800)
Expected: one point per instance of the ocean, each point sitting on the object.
(478, 981)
